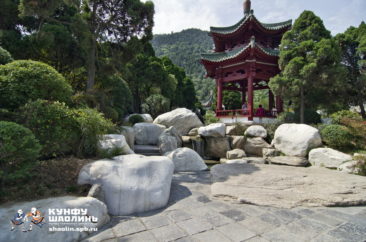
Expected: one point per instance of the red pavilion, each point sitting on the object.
(244, 59)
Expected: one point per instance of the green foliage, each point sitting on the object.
(184, 49)
(18, 149)
(231, 100)
(337, 137)
(287, 117)
(91, 124)
(21, 81)
(113, 97)
(338, 116)
(271, 129)
(156, 105)
(210, 117)
(311, 117)
(361, 164)
(5, 56)
(135, 118)
(109, 154)
(53, 125)
(310, 63)
(353, 43)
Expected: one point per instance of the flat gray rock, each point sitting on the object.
(287, 187)
(288, 160)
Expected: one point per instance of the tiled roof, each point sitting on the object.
(234, 28)
(222, 56)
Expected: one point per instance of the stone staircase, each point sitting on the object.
(147, 150)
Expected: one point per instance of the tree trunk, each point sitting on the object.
(362, 108)
(302, 105)
(91, 65)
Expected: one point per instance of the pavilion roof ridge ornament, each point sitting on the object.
(247, 7)
(252, 41)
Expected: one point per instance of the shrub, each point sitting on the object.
(5, 57)
(210, 117)
(271, 129)
(91, 125)
(310, 116)
(345, 114)
(358, 131)
(155, 105)
(54, 126)
(135, 118)
(23, 81)
(287, 117)
(18, 149)
(337, 136)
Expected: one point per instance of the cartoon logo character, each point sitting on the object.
(18, 220)
(36, 218)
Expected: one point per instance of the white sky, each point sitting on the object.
(177, 15)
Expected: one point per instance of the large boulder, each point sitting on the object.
(94, 209)
(169, 140)
(256, 131)
(129, 134)
(237, 129)
(237, 142)
(112, 142)
(212, 130)
(216, 147)
(286, 186)
(288, 160)
(254, 146)
(296, 139)
(327, 157)
(186, 159)
(131, 183)
(182, 119)
(235, 154)
(147, 134)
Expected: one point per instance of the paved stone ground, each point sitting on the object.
(192, 215)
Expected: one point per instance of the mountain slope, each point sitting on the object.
(184, 49)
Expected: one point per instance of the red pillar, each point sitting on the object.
(250, 97)
(219, 94)
(243, 94)
(271, 99)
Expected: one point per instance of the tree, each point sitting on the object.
(115, 21)
(310, 63)
(353, 43)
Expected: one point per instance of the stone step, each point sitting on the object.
(147, 150)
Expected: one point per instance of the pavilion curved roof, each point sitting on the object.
(247, 18)
(216, 57)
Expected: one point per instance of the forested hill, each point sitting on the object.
(184, 49)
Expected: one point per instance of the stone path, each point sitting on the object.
(192, 215)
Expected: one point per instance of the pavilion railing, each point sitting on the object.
(244, 113)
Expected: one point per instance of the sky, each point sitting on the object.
(177, 15)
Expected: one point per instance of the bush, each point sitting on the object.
(310, 116)
(155, 105)
(210, 117)
(337, 136)
(5, 57)
(23, 81)
(287, 117)
(91, 125)
(271, 129)
(54, 126)
(64, 131)
(135, 118)
(345, 114)
(18, 149)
